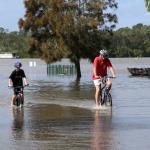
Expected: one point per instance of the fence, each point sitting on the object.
(68, 70)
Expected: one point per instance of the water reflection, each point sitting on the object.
(17, 122)
(101, 132)
(75, 84)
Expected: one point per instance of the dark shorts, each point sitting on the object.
(18, 90)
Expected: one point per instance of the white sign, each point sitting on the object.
(32, 64)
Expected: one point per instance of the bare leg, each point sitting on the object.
(13, 102)
(108, 84)
(97, 95)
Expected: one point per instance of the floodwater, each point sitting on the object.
(59, 113)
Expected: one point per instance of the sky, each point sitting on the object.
(129, 13)
(132, 12)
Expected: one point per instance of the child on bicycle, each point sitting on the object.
(100, 66)
(16, 79)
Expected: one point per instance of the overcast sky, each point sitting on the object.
(129, 12)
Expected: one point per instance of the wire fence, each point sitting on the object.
(68, 70)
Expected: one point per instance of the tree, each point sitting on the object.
(147, 4)
(14, 42)
(66, 28)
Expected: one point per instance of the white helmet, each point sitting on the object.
(103, 53)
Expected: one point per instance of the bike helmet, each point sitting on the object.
(103, 53)
(18, 64)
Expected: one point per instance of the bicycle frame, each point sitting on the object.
(19, 96)
(105, 96)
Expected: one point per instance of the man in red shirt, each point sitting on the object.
(101, 64)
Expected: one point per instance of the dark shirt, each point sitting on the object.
(17, 77)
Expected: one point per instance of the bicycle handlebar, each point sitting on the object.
(111, 77)
(18, 86)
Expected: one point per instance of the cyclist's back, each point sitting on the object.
(16, 79)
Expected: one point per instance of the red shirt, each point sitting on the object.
(101, 66)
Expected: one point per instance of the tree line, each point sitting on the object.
(130, 42)
(14, 42)
(124, 42)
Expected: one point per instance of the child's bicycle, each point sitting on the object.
(105, 96)
(19, 95)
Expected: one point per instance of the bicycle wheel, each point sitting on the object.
(102, 98)
(108, 99)
(18, 101)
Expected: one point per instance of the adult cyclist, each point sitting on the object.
(100, 67)
(16, 80)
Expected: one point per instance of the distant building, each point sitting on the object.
(7, 55)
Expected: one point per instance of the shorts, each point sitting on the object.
(17, 91)
(97, 82)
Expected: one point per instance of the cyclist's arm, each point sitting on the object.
(24, 78)
(10, 83)
(25, 81)
(112, 70)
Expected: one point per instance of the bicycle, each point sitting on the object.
(105, 96)
(19, 96)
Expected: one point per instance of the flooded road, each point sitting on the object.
(59, 113)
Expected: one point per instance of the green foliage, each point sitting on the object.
(124, 42)
(62, 28)
(147, 2)
(131, 42)
(14, 42)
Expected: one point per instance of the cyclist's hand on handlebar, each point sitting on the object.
(111, 77)
(27, 84)
(98, 77)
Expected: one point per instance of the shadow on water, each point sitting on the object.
(18, 118)
(17, 123)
